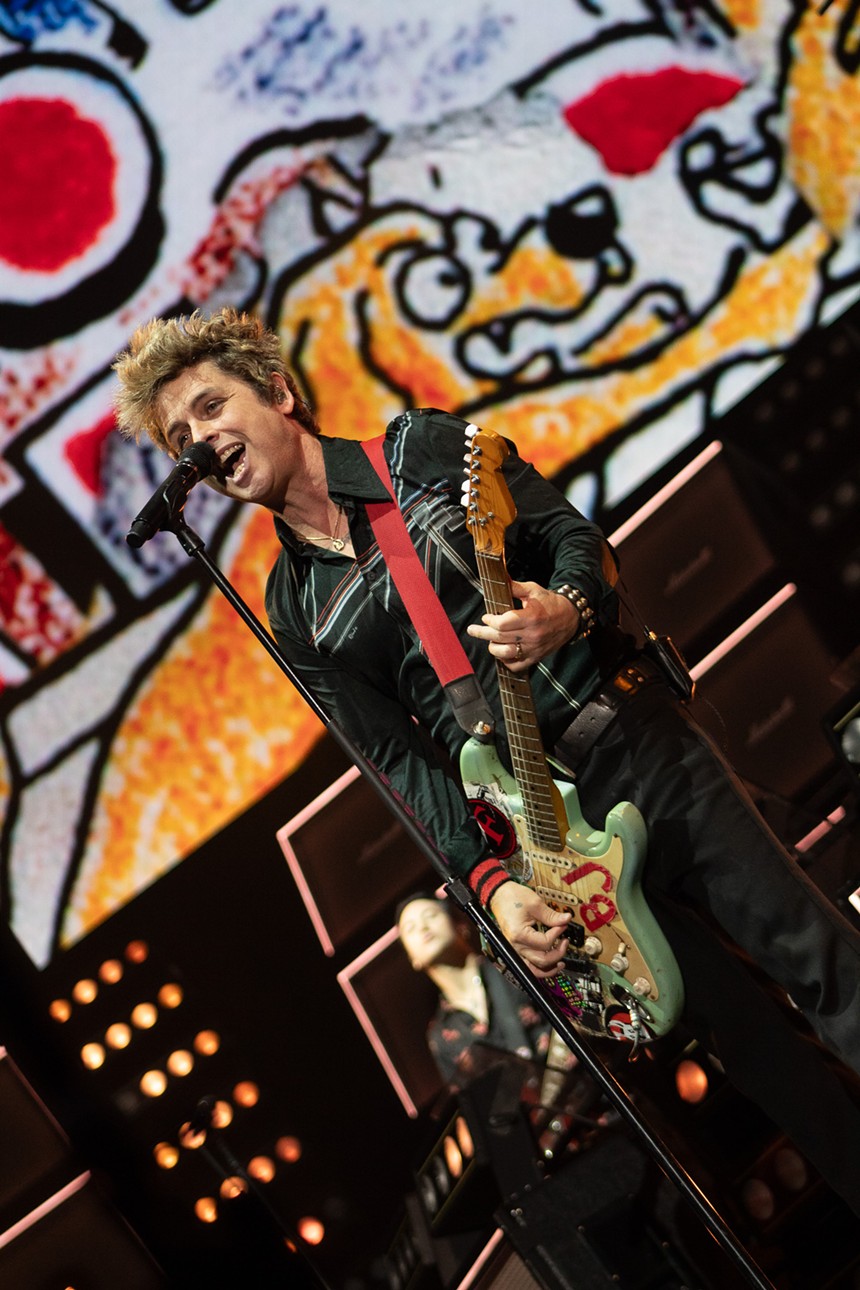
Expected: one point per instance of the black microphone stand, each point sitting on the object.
(216, 1151)
(713, 1220)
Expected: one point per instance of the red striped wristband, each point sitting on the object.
(486, 878)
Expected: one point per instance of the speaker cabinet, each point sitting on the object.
(351, 859)
(499, 1267)
(763, 695)
(35, 1159)
(394, 1005)
(56, 1228)
(693, 551)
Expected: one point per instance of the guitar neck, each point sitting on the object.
(542, 807)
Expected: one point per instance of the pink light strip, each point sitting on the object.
(663, 494)
(345, 980)
(814, 835)
(749, 625)
(482, 1260)
(53, 1202)
(292, 826)
(313, 808)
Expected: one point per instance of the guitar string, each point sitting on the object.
(542, 820)
(527, 753)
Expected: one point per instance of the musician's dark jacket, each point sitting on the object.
(513, 1026)
(344, 629)
(712, 867)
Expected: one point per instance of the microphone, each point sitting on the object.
(196, 462)
(201, 1118)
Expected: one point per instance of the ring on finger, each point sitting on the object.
(519, 652)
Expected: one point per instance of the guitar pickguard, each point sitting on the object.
(620, 979)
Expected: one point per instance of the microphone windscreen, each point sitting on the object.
(201, 455)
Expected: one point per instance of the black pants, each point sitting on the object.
(710, 851)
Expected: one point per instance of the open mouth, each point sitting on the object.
(233, 462)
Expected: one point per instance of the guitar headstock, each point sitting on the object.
(486, 497)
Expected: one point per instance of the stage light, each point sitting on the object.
(775, 1183)
(222, 1115)
(137, 951)
(311, 1230)
(93, 1056)
(850, 573)
(821, 516)
(60, 1010)
(288, 1149)
(180, 1062)
(453, 1157)
(206, 1209)
(758, 1200)
(170, 995)
(144, 1016)
(428, 1194)
(246, 1093)
(153, 1083)
(691, 1081)
(232, 1187)
(464, 1137)
(262, 1169)
(111, 971)
(441, 1176)
(403, 1257)
(207, 1042)
(191, 1137)
(118, 1035)
(790, 1169)
(166, 1155)
(84, 991)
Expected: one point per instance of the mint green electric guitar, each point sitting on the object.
(621, 980)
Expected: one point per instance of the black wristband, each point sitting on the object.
(579, 600)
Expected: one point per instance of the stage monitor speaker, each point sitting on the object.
(394, 1005)
(763, 694)
(82, 1243)
(499, 1267)
(693, 550)
(609, 1218)
(35, 1158)
(351, 859)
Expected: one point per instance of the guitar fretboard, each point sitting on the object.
(539, 794)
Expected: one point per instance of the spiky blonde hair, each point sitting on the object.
(163, 348)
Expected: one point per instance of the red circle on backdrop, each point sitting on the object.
(58, 183)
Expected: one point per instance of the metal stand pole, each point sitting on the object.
(668, 1162)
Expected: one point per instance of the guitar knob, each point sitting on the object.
(642, 987)
(619, 963)
(592, 945)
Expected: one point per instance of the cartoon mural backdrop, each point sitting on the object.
(590, 226)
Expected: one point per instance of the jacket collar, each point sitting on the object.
(348, 471)
(349, 475)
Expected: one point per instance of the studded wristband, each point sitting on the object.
(579, 600)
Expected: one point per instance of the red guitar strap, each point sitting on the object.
(438, 638)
